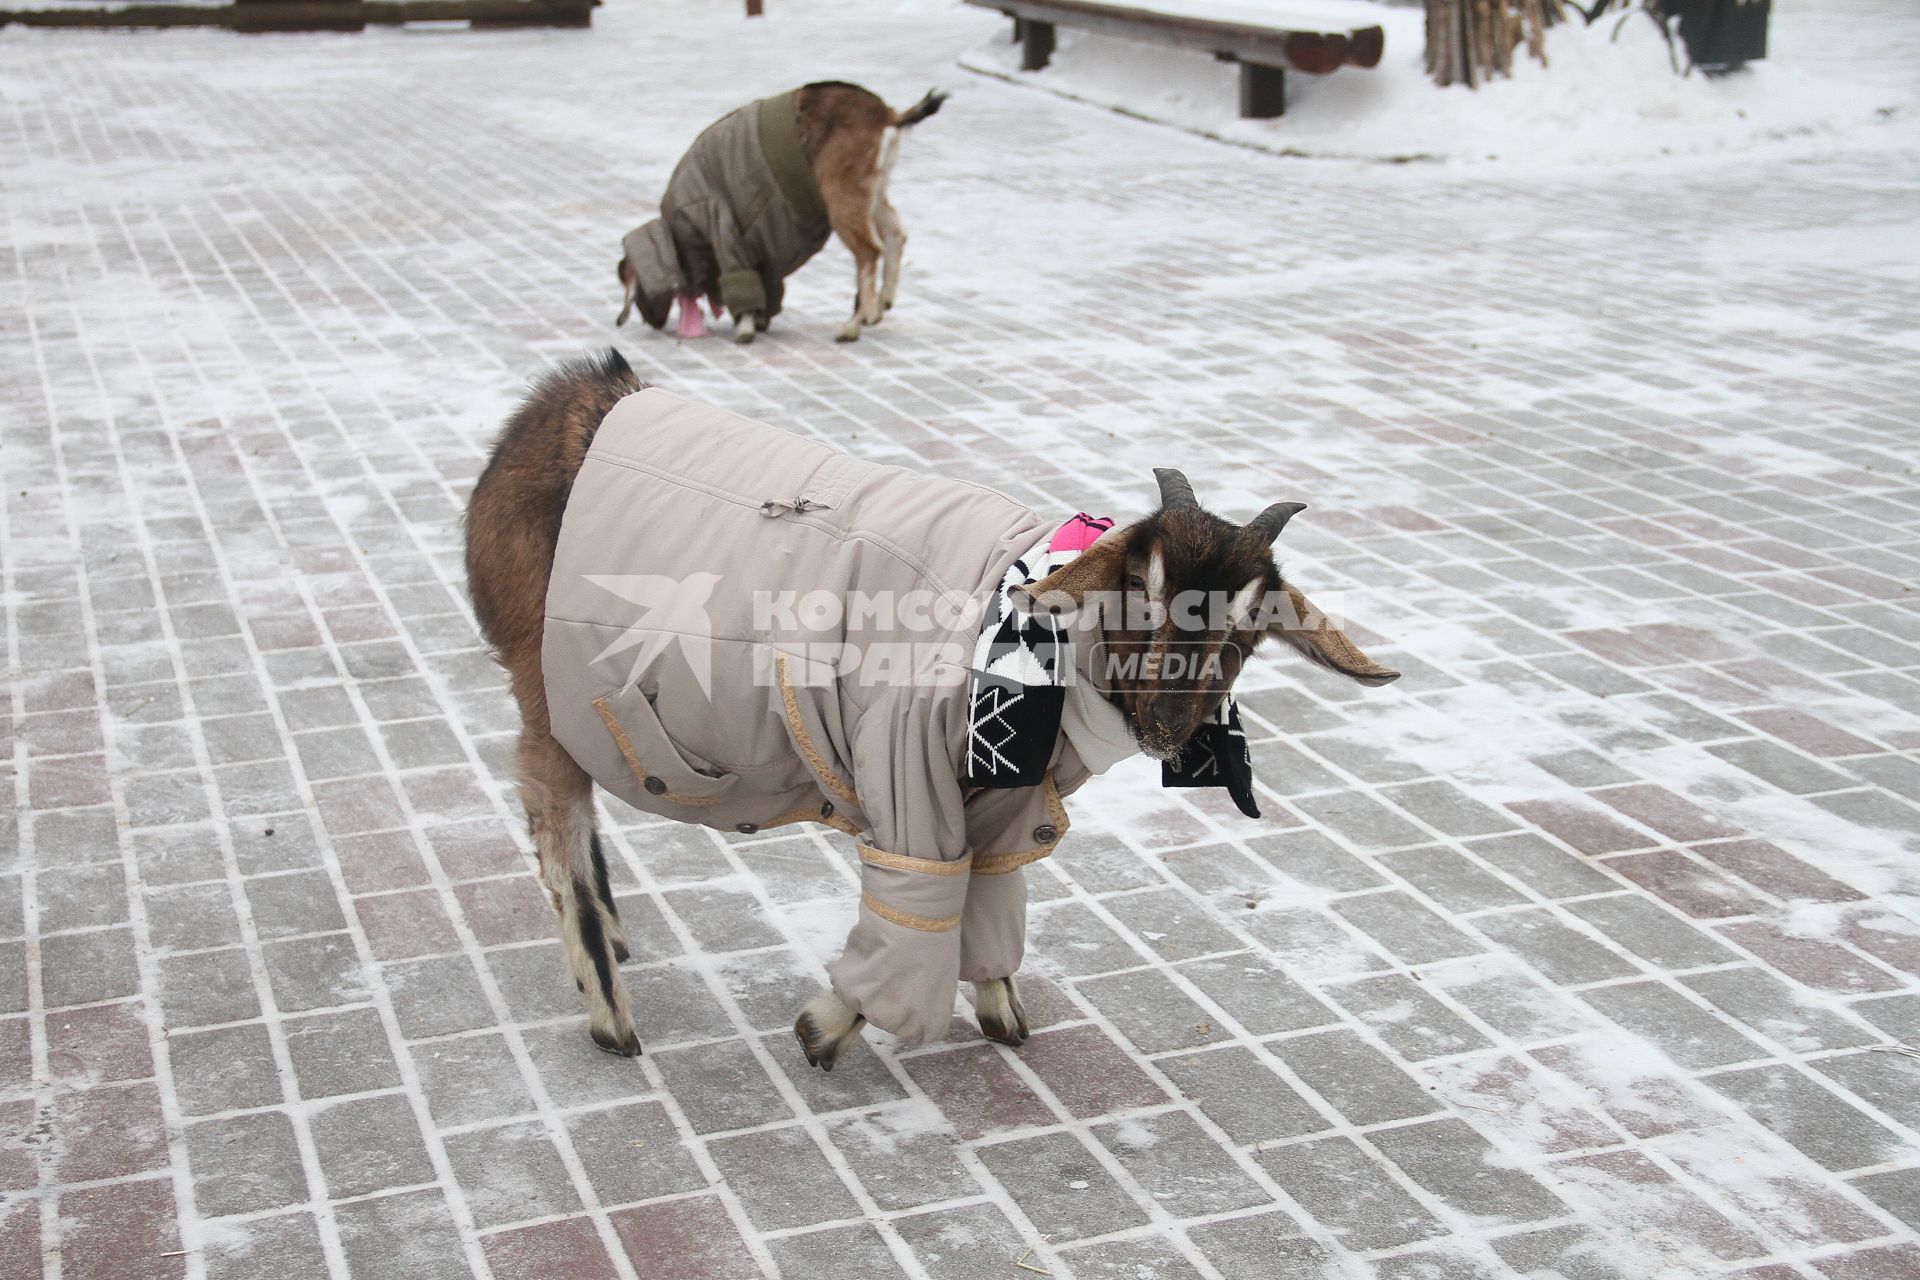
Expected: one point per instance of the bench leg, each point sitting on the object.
(1036, 40)
(1263, 92)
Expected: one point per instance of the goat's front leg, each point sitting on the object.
(993, 941)
(997, 1007)
(559, 799)
(745, 327)
(825, 1028)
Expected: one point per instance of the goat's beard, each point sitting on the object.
(1161, 754)
(1155, 744)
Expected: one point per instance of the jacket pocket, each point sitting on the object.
(661, 768)
(800, 727)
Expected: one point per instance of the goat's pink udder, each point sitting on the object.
(691, 323)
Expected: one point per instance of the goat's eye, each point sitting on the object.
(1136, 583)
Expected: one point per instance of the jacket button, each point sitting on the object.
(1045, 833)
(747, 828)
(655, 787)
(826, 810)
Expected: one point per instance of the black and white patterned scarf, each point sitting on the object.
(1017, 692)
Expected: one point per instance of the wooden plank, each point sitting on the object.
(488, 13)
(257, 17)
(316, 15)
(156, 15)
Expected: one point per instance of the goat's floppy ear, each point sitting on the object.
(1313, 633)
(1099, 568)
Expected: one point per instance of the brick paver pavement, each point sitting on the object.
(1576, 953)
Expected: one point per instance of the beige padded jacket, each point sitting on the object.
(694, 667)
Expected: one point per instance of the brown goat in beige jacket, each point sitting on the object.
(622, 545)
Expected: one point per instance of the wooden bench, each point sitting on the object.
(315, 15)
(1291, 37)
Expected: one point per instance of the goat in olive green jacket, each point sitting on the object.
(754, 198)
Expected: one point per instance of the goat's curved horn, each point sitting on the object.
(1175, 492)
(1271, 521)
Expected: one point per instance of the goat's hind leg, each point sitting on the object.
(603, 890)
(866, 302)
(893, 244)
(852, 215)
(559, 800)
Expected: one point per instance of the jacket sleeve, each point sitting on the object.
(742, 291)
(901, 968)
(1006, 830)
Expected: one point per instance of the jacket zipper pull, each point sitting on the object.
(774, 506)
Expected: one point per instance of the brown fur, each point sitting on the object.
(513, 527)
(843, 129)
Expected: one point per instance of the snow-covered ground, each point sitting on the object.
(1608, 93)
(1584, 951)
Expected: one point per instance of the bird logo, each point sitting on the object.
(671, 610)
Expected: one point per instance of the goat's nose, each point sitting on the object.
(1168, 720)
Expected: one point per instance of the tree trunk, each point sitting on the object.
(1473, 40)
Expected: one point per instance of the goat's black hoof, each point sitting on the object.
(805, 1032)
(821, 1052)
(629, 1047)
(1007, 1023)
(620, 953)
(1010, 1032)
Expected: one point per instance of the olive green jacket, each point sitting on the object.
(740, 214)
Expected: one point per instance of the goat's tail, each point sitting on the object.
(922, 109)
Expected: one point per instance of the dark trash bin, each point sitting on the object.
(1722, 35)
